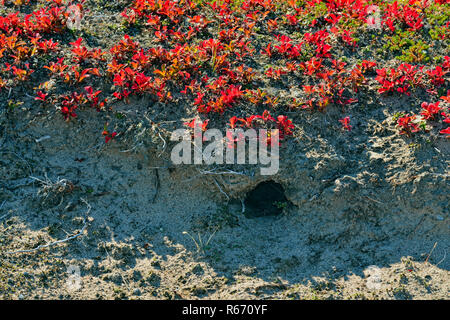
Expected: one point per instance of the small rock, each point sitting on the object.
(137, 292)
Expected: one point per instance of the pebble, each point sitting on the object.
(137, 292)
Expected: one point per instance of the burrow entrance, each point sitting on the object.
(266, 199)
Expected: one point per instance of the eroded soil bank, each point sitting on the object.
(158, 231)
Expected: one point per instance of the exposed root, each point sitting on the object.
(59, 187)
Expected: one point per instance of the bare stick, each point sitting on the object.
(213, 171)
(369, 198)
(78, 234)
(5, 215)
(164, 146)
(243, 206)
(435, 244)
(129, 150)
(442, 260)
(220, 189)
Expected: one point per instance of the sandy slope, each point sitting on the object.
(349, 208)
